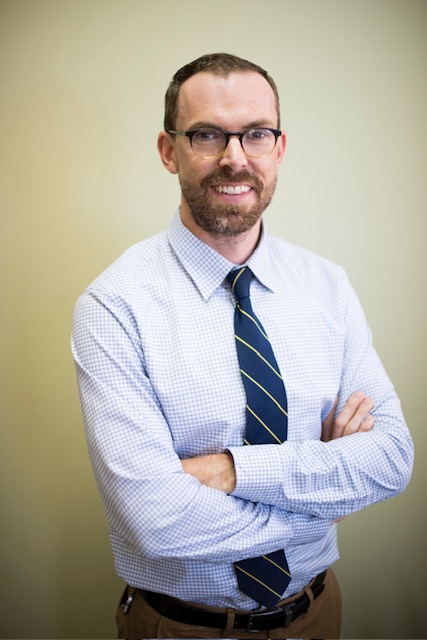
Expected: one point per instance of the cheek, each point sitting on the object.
(184, 164)
(271, 170)
(195, 170)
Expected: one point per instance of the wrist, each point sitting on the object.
(229, 472)
(215, 470)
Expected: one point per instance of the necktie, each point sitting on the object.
(265, 578)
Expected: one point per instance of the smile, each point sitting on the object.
(233, 189)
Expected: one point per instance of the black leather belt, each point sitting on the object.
(281, 616)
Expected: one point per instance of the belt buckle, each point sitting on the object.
(286, 609)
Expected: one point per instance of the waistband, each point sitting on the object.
(281, 616)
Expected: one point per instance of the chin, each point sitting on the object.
(227, 223)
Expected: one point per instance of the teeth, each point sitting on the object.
(233, 190)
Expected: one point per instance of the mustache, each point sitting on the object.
(224, 176)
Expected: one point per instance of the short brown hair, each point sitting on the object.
(221, 64)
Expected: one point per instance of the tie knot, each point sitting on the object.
(240, 281)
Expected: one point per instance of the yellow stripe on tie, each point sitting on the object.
(236, 279)
(263, 424)
(276, 565)
(259, 355)
(258, 326)
(279, 595)
(264, 390)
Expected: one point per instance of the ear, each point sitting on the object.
(281, 145)
(166, 148)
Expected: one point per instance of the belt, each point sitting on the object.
(280, 616)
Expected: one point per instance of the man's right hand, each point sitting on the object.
(353, 417)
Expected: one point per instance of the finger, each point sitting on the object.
(347, 413)
(360, 415)
(328, 423)
(367, 423)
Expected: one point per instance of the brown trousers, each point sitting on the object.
(322, 620)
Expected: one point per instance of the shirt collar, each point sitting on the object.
(206, 267)
(260, 261)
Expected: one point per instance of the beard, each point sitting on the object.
(226, 219)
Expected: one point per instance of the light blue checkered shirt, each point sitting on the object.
(159, 380)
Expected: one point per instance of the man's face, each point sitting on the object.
(225, 196)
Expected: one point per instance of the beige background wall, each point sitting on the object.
(81, 96)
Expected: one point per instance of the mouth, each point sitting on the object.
(232, 189)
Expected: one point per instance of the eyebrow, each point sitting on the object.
(256, 124)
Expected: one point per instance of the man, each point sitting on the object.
(168, 406)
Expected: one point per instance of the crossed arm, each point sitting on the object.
(290, 503)
(217, 470)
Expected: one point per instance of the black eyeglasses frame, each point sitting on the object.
(228, 134)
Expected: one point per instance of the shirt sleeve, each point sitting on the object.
(152, 505)
(333, 479)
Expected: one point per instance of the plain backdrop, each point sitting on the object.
(81, 103)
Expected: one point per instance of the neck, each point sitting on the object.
(237, 248)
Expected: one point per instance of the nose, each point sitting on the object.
(233, 156)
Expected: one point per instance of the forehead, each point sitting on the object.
(233, 101)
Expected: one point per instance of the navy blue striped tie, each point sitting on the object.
(264, 578)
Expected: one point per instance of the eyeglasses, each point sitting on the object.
(211, 143)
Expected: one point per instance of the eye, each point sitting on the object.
(208, 135)
(258, 135)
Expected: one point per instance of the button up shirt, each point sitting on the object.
(159, 381)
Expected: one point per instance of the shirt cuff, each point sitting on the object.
(259, 472)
